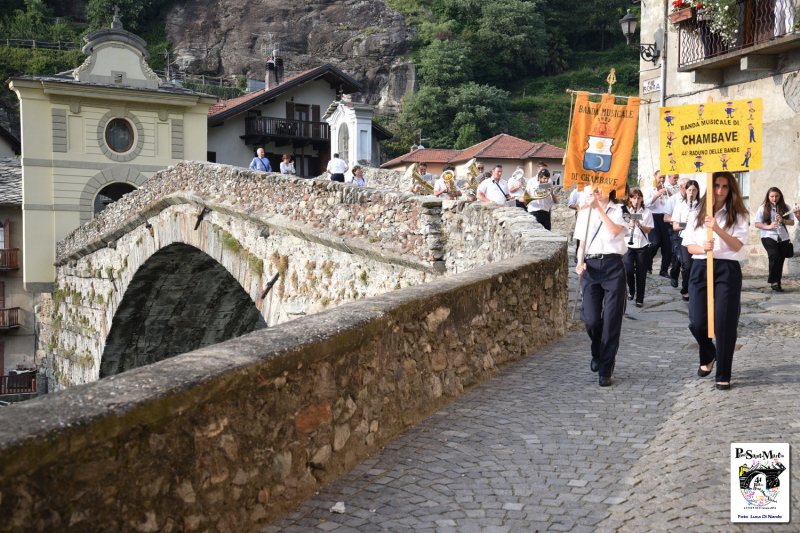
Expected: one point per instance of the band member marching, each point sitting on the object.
(542, 200)
(602, 279)
(680, 216)
(636, 258)
(772, 218)
(729, 223)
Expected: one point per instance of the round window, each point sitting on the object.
(119, 135)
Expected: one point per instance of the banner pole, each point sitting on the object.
(710, 253)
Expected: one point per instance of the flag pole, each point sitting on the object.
(710, 253)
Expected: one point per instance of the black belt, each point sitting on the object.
(601, 256)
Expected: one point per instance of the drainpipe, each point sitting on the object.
(664, 56)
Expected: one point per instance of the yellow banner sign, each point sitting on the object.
(601, 143)
(711, 137)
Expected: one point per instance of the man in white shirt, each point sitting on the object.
(657, 200)
(494, 190)
(336, 168)
(541, 208)
(427, 177)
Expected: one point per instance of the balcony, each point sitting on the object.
(9, 259)
(9, 318)
(259, 130)
(766, 29)
(18, 383)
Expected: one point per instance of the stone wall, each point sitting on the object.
(232, 435)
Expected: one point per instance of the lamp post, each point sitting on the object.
(648, 51)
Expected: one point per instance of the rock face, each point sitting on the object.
(363, 38)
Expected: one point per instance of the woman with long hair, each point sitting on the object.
(729, 225)
(772, 218)
(680, 216)
(635, 259)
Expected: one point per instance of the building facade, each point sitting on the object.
(760, 59)
(93, 134)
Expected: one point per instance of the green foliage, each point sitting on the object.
(216, 90)
(136, 15)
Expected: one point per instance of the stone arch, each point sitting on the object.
(179, 300)
(120, 174)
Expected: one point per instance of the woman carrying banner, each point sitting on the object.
(729, 223)
(641, 222)
(602, 279)
(772, 218)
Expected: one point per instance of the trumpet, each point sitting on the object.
(413, 174)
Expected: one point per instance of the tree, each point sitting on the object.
(445, 63)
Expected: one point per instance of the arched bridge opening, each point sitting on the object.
(179, 300)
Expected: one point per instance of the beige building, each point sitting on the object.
(762, 60)
(93, 134)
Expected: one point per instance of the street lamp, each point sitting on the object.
(649, 52)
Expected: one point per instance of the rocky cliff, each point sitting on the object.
(365, 38)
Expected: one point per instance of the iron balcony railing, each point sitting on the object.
(9, 318)
(18, 383)
(289, 129)
(9, 258)
(758, 22)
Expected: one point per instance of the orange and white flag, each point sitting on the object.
(601, 143)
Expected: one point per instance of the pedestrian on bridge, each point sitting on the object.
(729, 223)
(602, 277)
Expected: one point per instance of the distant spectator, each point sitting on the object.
(336, 168)
(260, 162)
(358, 177)
(287, 165)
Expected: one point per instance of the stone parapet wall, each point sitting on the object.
(230, 436)
(394, 221)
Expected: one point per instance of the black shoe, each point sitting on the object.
(777, 287)
(703, 373)
(664, 275)
(639, 304)
(674, 282)
(685, 297)
(594, 365)
(605, 381)
(723, 386)
(630, 297)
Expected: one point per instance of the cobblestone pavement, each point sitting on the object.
(542, 448)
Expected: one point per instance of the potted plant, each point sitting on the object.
(722, 19)
(684, 10)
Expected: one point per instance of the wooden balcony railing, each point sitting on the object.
(761, 24)
(286, 129)
(18, 383)
(9, 318)
(9, 258)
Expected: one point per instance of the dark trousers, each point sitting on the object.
(659, 239)
(603, 290)
(675, 240)
(776, 259)
(727, 305)
(686, 269)
(542, 217)
(337, 177)
(635, 261)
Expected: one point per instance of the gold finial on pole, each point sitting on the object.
(611, 80)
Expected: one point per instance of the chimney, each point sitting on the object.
(271, 77)
(279, 68)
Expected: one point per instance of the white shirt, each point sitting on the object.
(574, 198)
(639, 237)
(779, 234)
(698, 235)
(494, 191)
(599, 240)
(337, 166)
(287, 168)
(440, 186)
(682, 211)
(545, 204)
(516, 181)
(361, 182)
(660, 205)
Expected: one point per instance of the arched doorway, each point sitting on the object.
(111, 193)
(181, 299)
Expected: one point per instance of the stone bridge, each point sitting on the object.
(409, 301)
(203, 253)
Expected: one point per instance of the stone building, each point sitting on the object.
(695, 63)
(303, 115)
(93, 134)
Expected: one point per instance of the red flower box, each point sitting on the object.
(681, 15)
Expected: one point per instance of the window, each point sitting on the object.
(111, 193)
(119, 135)
(743, 178)
(211, 157)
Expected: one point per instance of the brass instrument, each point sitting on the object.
(538, 194)
(449, 178)
(413, 174)
(472, 178)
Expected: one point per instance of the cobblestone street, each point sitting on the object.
(542, 448)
